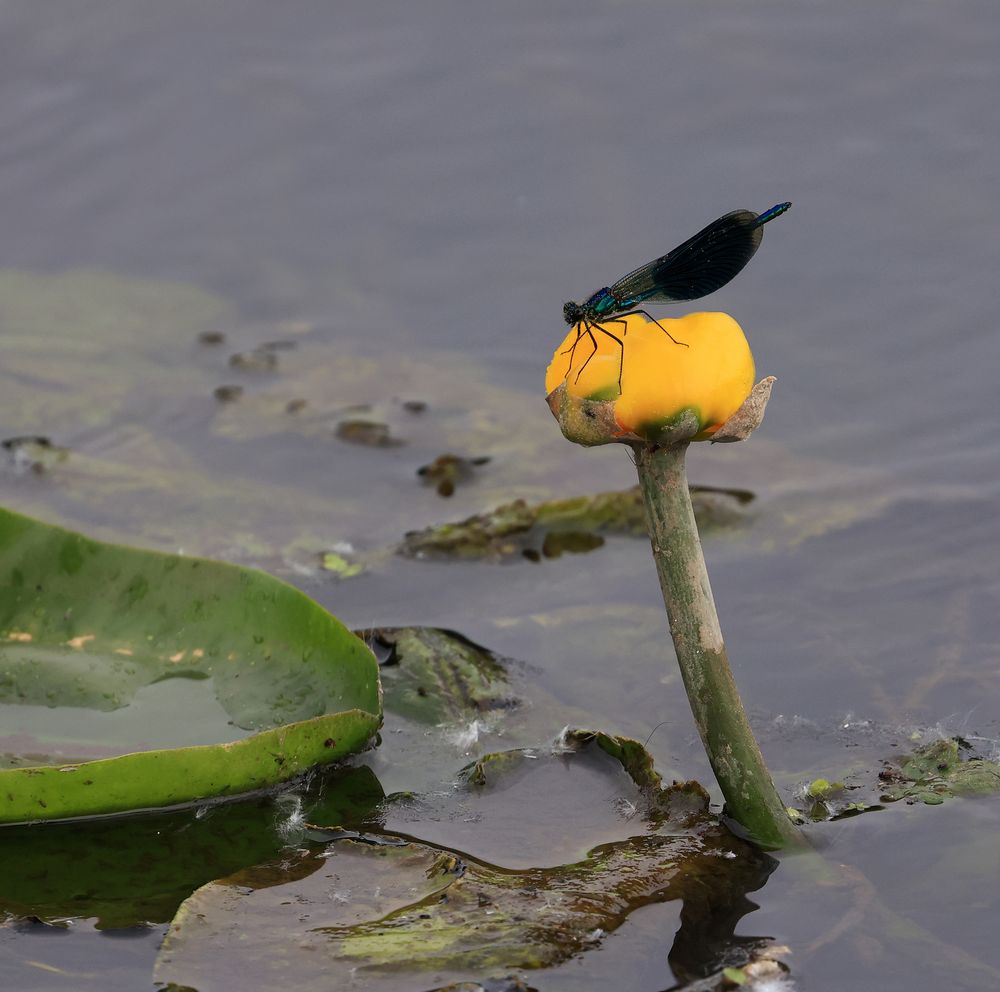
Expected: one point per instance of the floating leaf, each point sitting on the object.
(551, 527)
(938, 771)
(92, 634)
(378, 912)
(932, 773)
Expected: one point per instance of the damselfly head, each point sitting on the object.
(572, 313)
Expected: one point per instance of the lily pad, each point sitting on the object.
(435, 676)
(130, 871)
(384, 911)
(102, 646)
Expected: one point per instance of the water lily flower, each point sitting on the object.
(670, 381)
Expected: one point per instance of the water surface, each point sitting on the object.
(408, 195)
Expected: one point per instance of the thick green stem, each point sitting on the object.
(751, 798)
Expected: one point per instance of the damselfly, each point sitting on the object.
(694, 269)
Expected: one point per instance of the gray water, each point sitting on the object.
(428, 183)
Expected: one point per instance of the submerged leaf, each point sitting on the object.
(572, 524)
(375, 916)
(434, 676)
(77, 344)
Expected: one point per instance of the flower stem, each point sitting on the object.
(751, 798)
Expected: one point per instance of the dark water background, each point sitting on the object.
(436, 179)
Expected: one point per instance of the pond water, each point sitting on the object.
(385, 206)
(64, 734)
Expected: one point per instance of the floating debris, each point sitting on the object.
(258, 360)
(332, 561)
(32, 453)
(447, 471)
(367, 432)
(936, 772)
(227, 394)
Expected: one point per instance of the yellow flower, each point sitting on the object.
(669, 391)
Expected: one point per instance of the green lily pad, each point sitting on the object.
(102, 647)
